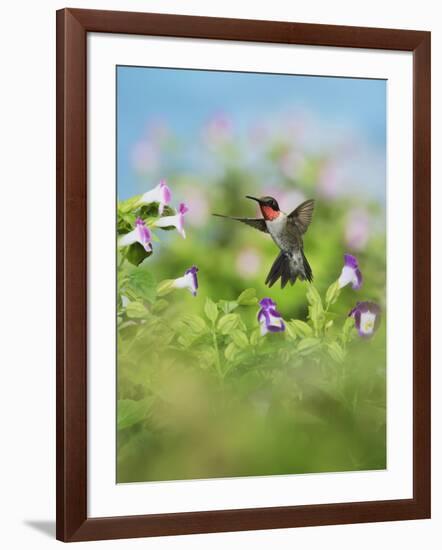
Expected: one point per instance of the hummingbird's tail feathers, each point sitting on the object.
(307, 269)
(284, 269)
(288, 270)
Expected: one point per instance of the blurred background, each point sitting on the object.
(216, 137)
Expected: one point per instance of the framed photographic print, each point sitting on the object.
(243, 274)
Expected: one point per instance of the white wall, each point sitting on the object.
(27, 314)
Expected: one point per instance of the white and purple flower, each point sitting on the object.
(269, 318)
(367, 318)
(140, 234)
(160, 194)
(189, 280)
(175, 221)
(350, 273)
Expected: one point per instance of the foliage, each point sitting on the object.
(202, 393)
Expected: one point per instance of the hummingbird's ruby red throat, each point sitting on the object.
(269, 213)
(269, 208)
(286, 231)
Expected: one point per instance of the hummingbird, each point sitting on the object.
(286, 231)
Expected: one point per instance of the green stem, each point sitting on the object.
(215, 345)
(123, 255)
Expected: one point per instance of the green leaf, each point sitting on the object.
(348, 329)
(211, 310)
(165, 287)
(336, 352)
(131, 412)
(255, 337)
(308, 345)
(228, 323)
(240, 339)
(160, 305)
(136, 254)
(151, 210)
(125, 223)
(290, 332)
(186, 340)
(332, 294)
(247, 297)
(301, 328)
(316, 314)
(195, 323)
(227, 306)
(136, 310)
(230, 352)
(142, 282)
(128, 205)
(313, 296)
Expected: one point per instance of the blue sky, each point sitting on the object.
(185, 99)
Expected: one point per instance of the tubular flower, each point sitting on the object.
(160, 194)
(350, 273)
(175, 221)
(140, 234)
(189, 280)
(367, 318)
(269, 318)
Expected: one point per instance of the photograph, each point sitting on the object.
(251, 274)
(230, 301)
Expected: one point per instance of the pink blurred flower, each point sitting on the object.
(291, 163)
(329, 181)
(145, 157)
(293, 124)
(218, 129)
(158, 131)
(198, 204)
(248, 262)
(258, 135)
(358, 228)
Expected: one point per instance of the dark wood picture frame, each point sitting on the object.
(73, 523)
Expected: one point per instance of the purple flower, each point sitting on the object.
(367, 318)
(175, 221)
(269, 318)
(160, 194)
(189, 280)
(140, 234)
(350, 273)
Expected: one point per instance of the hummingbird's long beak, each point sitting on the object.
(253, 198)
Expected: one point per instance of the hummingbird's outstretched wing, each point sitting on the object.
(302, 215)
(257, 223)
